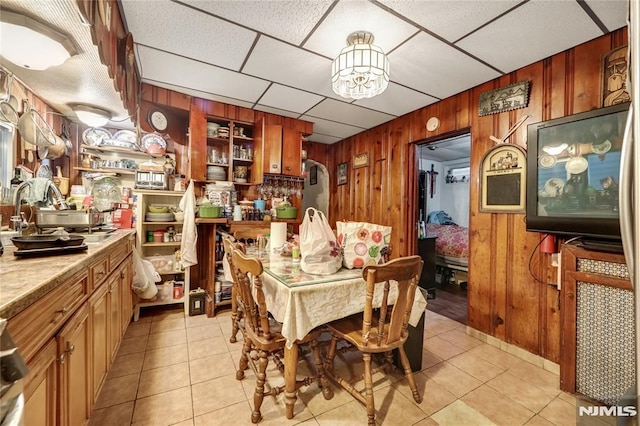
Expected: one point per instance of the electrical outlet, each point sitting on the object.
(554, 259)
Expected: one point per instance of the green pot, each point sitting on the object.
(210, 211)
(287, 212)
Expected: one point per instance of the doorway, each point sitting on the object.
(316, 188)
(443, 212)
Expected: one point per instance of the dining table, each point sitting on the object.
(302, 302)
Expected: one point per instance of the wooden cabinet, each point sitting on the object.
(74, 372)
(100, 360)
(278, 151)
(205, 270)
(172, 273)
(115, 312)
(597, 319)
(125, 274)
(69, 336)
(40, 388)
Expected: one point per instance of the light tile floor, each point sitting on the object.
(172, 370)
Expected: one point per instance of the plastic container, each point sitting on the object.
(158, 236)
(259, 204)
(163, 264)
(165, 291)
(209, 211)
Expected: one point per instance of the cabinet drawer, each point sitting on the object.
(119, 254)
(99, 271)
(32, 327)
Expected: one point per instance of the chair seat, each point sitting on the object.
(350, 329)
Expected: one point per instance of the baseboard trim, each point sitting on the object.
(523, 354)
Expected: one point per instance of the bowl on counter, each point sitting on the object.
(209, 211)
(158, 209)
(287, 212)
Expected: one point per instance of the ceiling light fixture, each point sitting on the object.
(361, 70)
(31, 44)
(92, 116)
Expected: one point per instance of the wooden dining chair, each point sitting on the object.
(251, 233)
(237, 306)
(262, 334)
(375, 331)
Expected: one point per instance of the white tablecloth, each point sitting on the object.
(302, 302)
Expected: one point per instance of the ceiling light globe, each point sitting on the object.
(31, 44)
(91, 116)
(361, 70)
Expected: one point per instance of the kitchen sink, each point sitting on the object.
(96, 235)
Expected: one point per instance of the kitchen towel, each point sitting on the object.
(278, 235)
(188, 251)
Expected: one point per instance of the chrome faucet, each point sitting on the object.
(19, 221)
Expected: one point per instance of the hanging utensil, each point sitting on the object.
(68, 146)
(33, 128)
(8, 102)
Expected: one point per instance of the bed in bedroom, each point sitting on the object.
(452, 245)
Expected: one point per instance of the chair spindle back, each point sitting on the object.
(406, 272)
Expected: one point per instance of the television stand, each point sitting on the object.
(600, 245)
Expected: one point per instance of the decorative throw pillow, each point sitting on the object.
(362, 243)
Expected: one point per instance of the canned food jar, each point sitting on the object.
(149, 236)
(158, 236)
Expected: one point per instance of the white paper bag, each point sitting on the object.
(319, 250)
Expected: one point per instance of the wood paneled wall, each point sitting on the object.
(504, 299)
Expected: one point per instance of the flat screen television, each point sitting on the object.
(573, 169)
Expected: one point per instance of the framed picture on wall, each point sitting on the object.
(342, 173)
(361, 160)
(503, 180)
(313, 175)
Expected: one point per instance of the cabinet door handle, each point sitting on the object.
(274, 166)
(61, 359)
(288, 168)
(100, 273)
(70, 348)
(63, 311)
(122, 274)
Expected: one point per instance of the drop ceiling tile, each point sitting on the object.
(397, 100)
(182, 30)
(199, 76)
(329, 140)
(331, 128)
(356, 15)
(289, 99)
(266, 16)
(342, 112)
(530, 33)
(276, 111)
(433, 67)
(438, 16)
(612, 13)
(277, 61)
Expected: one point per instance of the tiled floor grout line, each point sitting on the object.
(441, 326)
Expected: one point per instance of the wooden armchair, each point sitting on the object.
(237, 307)
(262, 334)
(374, 331)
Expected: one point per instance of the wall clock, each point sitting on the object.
(158, 120)
(433, 123)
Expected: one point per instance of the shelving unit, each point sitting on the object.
(144, 198)
(204, 273)
(231, 147)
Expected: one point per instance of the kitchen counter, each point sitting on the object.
(25, 280)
